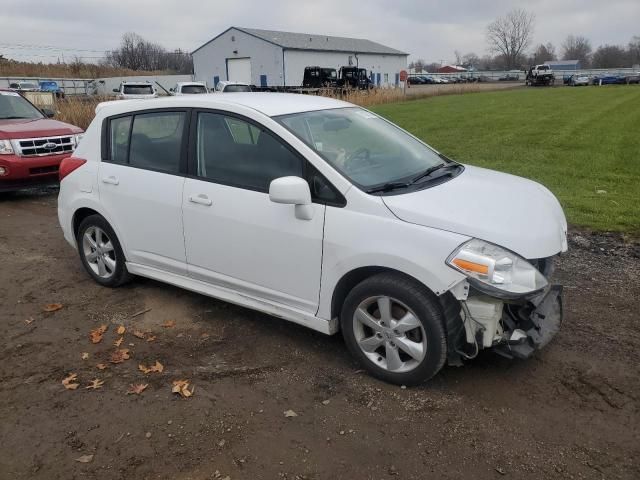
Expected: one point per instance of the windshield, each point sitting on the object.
(329, 72)
(137, 90)
(236, 88)
(13, 105)
(194, 89)
(362, 146)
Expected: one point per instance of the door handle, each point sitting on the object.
(201, 199)
(111, 180)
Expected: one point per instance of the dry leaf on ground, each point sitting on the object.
(101, 366)
(138, 333)
(121, 330)
(29, 321)
(96, 334)
(290, 413)
(137, 389)
(181, 387)
(95, 384)
(119, 356)
(52, 307)
(85, 355)
(169, 324)
(151, 338)
(70, 381)
(84, 459)
(118, 342)
(158, 367)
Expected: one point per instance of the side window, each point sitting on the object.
(234, 152)
(119, 139)
(156, 141)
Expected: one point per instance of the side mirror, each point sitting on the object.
(172, 89)
(116, 90)
(293, 191)
(48, 112)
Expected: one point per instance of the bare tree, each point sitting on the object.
(543, 53)
(510, 35)
(610, 56)
(136, 53)
(470, 60)
(458, 56)
(576, 47)
(634, 50)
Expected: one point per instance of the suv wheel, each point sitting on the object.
(101, 253)
(394, 326)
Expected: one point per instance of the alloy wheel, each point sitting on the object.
(99, 252)
(389, 333)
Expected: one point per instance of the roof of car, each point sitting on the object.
(270, 104)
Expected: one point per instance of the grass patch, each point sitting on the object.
(575, 141)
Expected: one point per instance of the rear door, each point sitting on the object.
(141, 178)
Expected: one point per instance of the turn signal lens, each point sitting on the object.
(471, 266)
(68, 165)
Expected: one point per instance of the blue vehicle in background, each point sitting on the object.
(53, 87)
(609, 79)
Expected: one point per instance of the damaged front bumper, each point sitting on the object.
(514, 328)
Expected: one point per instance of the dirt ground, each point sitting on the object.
(570, 412)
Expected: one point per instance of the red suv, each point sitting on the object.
(32, 145)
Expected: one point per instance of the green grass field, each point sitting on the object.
(576, 141)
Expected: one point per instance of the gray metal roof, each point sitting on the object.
(307, 41)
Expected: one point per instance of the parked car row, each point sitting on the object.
(43, 86)
(602, 79)
(142, 90)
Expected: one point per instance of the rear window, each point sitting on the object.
(236, 88)
(194, 89)
(137, 90)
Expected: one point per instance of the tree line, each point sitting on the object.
(136, 53)
(509, 38)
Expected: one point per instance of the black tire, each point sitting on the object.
(424, 305)
(120, 275)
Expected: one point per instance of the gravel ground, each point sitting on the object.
(569, 412)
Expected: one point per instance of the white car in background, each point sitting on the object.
(322, 213)
(189, 88)
(135, 90)
(226, 86)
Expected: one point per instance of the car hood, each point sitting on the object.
(41, 127)
(513, 212)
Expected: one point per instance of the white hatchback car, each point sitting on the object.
(322, 213)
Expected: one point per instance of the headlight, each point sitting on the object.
(77, 138)
(496, 267)
(5, 147)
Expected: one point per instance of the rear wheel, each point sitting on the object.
(101, 253)
(394, 327)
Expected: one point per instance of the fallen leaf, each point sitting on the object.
(70, 381)
(85, 355)
(121, 330)
(182, 388)
(119, 356)
(151, 338)
(84, 459)
(96, 334)
(137, 388)
(95, 384)
(118, 342)
(52, 307)
(101, 366)
(158, 367)
(290, 413)
(169, 324)
(138, 333)
(29, 321)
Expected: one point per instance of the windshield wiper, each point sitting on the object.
(14, 118)
(387, 187)
(430, 170)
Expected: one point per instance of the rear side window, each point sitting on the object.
(148, 140)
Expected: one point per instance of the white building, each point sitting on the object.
(272, 58)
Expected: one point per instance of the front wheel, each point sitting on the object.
(394, 326)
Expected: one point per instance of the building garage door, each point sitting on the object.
(239, 69)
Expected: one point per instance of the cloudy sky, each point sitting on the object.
(46, 30)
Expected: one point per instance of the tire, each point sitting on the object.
(415, 324)
(109, 268)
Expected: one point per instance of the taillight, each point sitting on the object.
(68, 165)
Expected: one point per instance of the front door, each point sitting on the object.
(140, 183)
(235, 236)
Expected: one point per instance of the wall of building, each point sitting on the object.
(266, 59)
(296, 60)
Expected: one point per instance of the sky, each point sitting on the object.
(48, 30)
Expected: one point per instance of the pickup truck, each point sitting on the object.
(32, 144)
(540, 75)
